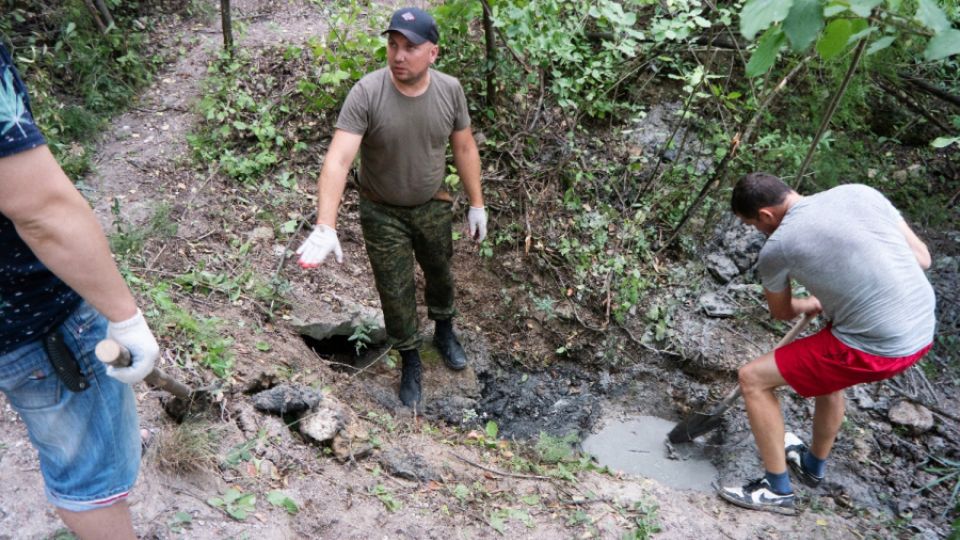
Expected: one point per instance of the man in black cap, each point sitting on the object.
(401, 119)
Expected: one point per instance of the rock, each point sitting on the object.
(715, 306)
(284, 399)
(916, 418)
(403, 463)
(325, 420)
(352, 442)
(721, 267)
(261, 233)
(452, 409)
(332, 325)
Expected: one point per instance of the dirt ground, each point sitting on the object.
(438, 474)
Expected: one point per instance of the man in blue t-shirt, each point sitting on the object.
(60, 285)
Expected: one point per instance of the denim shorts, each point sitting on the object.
(88, 442)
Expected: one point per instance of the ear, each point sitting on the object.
(767, 216)
(434, 52)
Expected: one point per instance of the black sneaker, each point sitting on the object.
(795, 450)
(758, 495)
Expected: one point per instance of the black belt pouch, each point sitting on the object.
(63, 361)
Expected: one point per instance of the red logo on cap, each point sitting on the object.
(408, 16)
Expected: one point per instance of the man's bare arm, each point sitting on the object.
(785, 307)
(919, 249)
(58, 225)
(466, 157)
(333, 176)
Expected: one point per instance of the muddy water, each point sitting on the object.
(638, 445)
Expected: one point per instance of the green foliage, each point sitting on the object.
(249, 129)
(77, 76)
(553, 450)
(189, 338)
(361, 335)
(235, 503)
(127, 241)
(282, 500)
(385, 496)
(804, 22)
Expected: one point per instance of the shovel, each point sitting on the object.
(185, 400)
(701, 422)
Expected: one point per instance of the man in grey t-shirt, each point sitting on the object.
(863, 266)
(401, 119)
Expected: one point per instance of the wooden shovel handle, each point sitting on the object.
(113, 354)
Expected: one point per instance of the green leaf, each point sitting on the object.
(834, 38)
(803, 24)
(943, 142)
(943, 45)
(880, 44)
(930, 15)
(766, 52)
(757, 15)
(263, 346)
(492, 429)
(280, 499)
(864, 8)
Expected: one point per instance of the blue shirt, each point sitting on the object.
(32, 299)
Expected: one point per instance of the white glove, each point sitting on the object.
(318, 245)
(136, 337)
(477, 221)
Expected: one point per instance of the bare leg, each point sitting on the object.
(758, 379)
(110, 523)
(827, 418)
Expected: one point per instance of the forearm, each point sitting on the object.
(68, 240)
(467, 161)
(330, 187)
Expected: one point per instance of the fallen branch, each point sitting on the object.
(930, 89)
(502, 473)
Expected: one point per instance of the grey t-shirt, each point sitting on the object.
(403, 152)
(845, 246)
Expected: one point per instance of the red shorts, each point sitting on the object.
(821, 364)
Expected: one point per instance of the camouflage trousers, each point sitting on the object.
(395, 236)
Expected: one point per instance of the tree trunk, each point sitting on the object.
(96, 15)
(831, 109)
(490, 39)
(227, 24)
(105, 13)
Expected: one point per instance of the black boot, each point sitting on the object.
(446, 341)
(410, 377)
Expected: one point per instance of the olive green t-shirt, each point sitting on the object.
(403, 151)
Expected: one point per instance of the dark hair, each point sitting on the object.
(755, 191)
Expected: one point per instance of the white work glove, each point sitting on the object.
(134, 335)
(318, 245)
(477, 221)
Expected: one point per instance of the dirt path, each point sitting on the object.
(466, 489)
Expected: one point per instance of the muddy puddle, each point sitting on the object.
(638, 445)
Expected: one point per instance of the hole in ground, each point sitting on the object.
(341, 353)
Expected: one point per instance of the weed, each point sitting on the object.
(181, 520)
(555, 450)
(281, 500)
(386, 497)
(189, 446)
(127, 241)
(235, 503)
(361, 335)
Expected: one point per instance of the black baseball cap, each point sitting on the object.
(415, 24)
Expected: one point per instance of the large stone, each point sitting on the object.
(714, 305)
(403, 463)
(722, 267)
(287, 399)
(325, 420)
(916, 418)
(328, 325)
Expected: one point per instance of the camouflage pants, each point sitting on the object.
(395, 236)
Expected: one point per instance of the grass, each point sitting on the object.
(189, 447)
